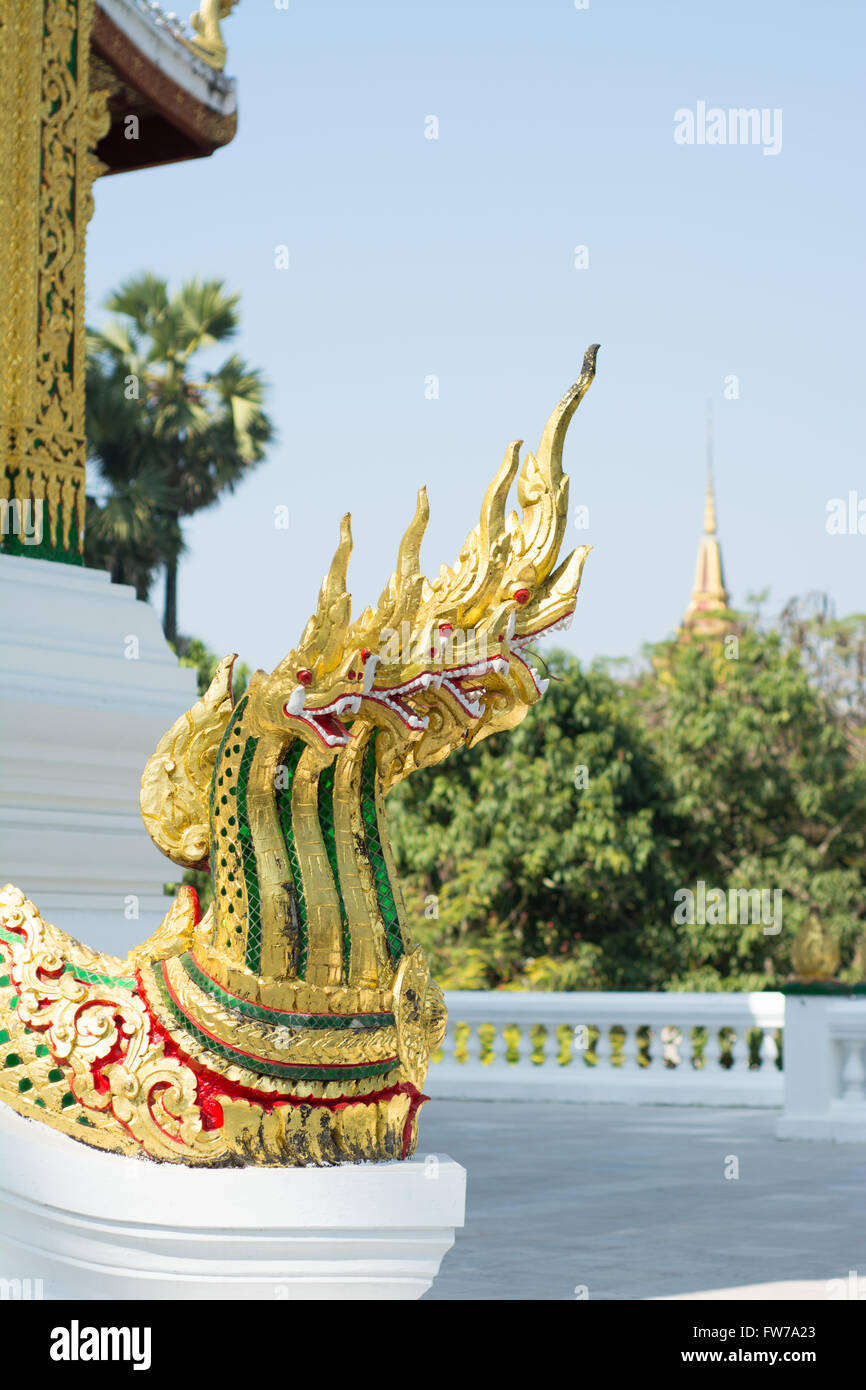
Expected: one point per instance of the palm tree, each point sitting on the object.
(168, 437)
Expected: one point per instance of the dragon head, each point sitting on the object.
(453, 661)
(313, 689)
(431, 667)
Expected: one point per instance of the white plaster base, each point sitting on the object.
(825, 1069)
(93, 1225)
(88, 686)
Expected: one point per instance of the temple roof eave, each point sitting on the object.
(187, 109)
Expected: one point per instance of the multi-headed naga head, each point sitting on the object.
(294, 1022)
(308, 694)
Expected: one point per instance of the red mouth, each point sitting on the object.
(325, 722)
(519, 644)
(329, 725)
(393, 699)
(469, 692)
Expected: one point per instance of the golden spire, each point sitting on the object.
(709, 600)
(710, 507)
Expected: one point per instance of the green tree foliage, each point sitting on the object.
(168, 437)
(524, 871)
(539, 881)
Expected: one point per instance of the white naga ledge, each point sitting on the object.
(92, 1225)
(88, 686)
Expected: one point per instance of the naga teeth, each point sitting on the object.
(295, 702)
(474, 708)
(370, 671)
(562, 626)
(540, 685)
(410, 719)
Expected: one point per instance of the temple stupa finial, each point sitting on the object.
(710, 504)
(709, 600)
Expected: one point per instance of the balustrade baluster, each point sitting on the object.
(740, 1051)
(768, 1051)
(603, 1048)
(713, 1051)
(853, 1073)
(672, 1043)
(498, 1048)
(630, 1048)
(449, 1043)
(580, 1045)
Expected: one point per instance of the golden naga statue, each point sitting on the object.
(294, 1022)
(209, 44)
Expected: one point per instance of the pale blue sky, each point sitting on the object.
(454, 257)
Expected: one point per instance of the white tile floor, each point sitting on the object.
(633, 1203)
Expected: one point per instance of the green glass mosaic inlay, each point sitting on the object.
(326, 823)
(384, 893)
(284, 810)
(227, 864)
(248, 861)
(92, 977)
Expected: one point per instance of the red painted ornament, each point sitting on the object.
(305, 677)
(521, 596)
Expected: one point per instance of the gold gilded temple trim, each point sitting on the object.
(52, 124)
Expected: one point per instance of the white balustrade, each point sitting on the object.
(825, 1068)
(603, 1058)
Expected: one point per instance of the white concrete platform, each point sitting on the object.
(88, 686)
(92, 1225)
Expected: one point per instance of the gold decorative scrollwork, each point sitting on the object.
(52, 124)
(176, 779)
